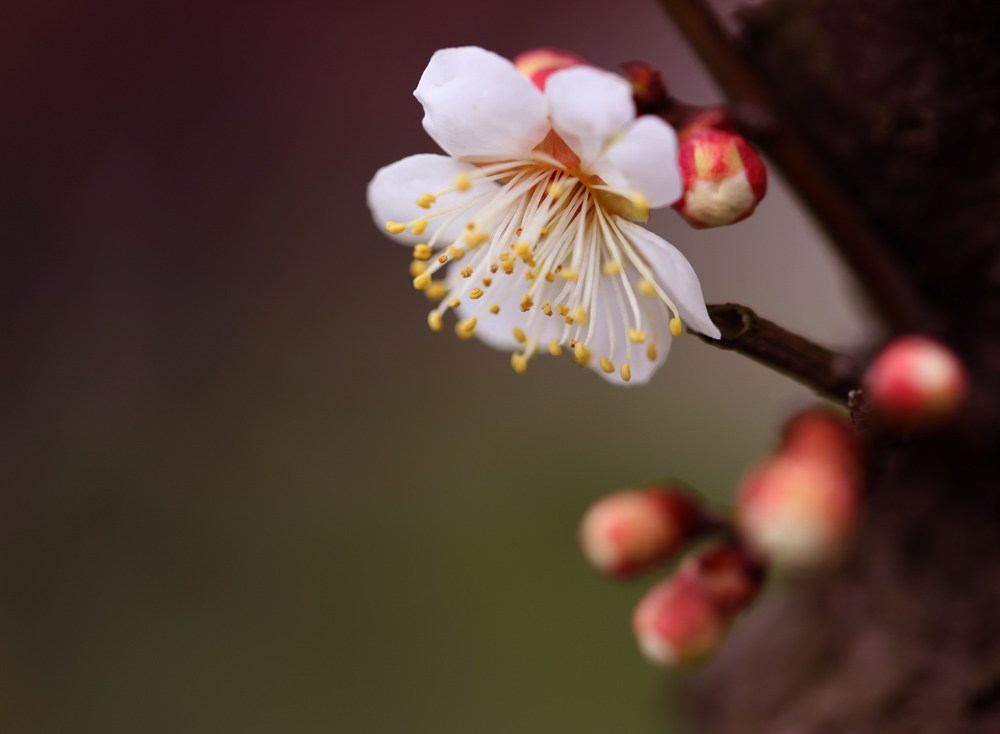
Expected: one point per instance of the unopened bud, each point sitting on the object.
(648, 89)
(724, 179)
(677, 624)
(916, 382)
(799, 509)
(538, 64)
(824, 435)
(732, 578)
(626, 532)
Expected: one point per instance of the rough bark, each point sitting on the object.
(900, 100)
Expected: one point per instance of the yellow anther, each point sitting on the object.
(529, 275)
(508, 265)
(518, 231)
(606, 365)
(637, 336)
(611, 268)
(580, 314)
(455, 302)
(434, 321)
(519, 334)
(418, 226)
(550, 276)
(476, 293)
(569, 319)
(470, 226)
(546, 309)
(563, 310)
(422, 252)
(676, 327)
(526, 303)
(395, 227)
(545, 231)
(558, 268)
(494, 309)
(626, 372)
(519, 362)
(554, 189)
(554, 349)
(456, 252)
(651, 352)
(475, 239)
(523, 249)
(581, 354)
(466, 329)
(463, 182)
(416, 268)
(443, 259)
(646, 288)
(424, 201)
(640, 200)
(422, 281)
(437, 290)
(493, 268)
(569, 274)
(487, 282)
(466, 272)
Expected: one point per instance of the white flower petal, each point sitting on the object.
(588, 107)
(477, 104)
(675, 275)
(393, 192)
(644, 159)
(641, 367)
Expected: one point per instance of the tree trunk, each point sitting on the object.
(900, 99)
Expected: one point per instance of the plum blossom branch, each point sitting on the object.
(825, 371)
(758, 114)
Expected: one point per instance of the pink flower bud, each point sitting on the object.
(677, 623)
(824, 435)
(538, 64)
(724, 179)
(916, 382)
(798, 509)
(626, 532)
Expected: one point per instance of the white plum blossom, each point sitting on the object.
(533, 210)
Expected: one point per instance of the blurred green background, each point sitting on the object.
(244, 488)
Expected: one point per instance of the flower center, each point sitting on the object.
(543, 234)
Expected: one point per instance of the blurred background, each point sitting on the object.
(243, 487)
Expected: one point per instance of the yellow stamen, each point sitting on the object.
(545, 231)
(611, 268)
(519, 362)
(422, 281)
(395, 227)
(466, 272)
(519, 334)
(526, 303)
(640, 200)
(419, 226)
(569, 319)
(475, 239)
(555, 188)
(647, 288)
(476, 293)
(523, 249)
(417, 267)
(606, 365)
(424, 201)
(626, 372)
(455, 303)
(494, 268)
(466, 329)
(546, 309)
(434, 321)
(651, 352)
(456, 252)
(563, 310)
(554, 349)
(569, 274)
(494, 308)
(637, 336)
(443, 259)
(550, 276)
(528, 275)
(487, 282)
(581, 354)
(437, 290)
(676, 327)
(463, 182)
(422, 252)
(580, 314)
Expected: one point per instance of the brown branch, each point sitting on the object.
(830, 373)
(759, 116)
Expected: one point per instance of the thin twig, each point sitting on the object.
(830, 373)
(760, 117)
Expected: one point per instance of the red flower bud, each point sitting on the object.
(724, 179)
(538, 64)
(824, 435)
(626, 532)
(916, 382)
